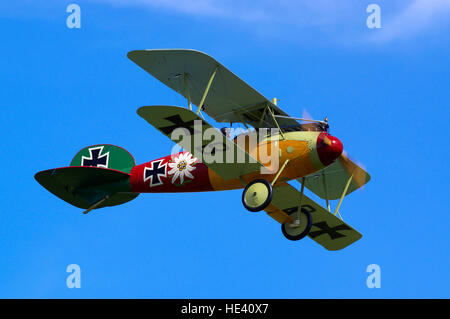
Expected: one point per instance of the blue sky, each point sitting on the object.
(385, 92)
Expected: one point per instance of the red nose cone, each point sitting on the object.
(329, 148)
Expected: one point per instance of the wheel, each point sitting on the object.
(257, 195)
(294, 231)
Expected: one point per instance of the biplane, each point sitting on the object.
(107, 175)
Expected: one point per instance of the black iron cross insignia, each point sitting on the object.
(154, 172)
(331, 231)
(176, 123)
(95, 159)
(294, 209)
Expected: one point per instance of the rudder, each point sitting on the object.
(105, 156)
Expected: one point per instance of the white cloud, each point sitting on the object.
(242, 10)
(341, 20)
(326, 20)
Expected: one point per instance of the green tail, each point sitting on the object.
(98, 176)
(105, 156)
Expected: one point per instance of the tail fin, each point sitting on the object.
(105, 156)
(98, 176)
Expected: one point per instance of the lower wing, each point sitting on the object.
(327, 230)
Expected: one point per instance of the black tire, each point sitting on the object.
(265, 203)
(304, 232)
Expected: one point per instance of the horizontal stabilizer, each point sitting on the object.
(85, 186)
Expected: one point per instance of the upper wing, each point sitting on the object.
(331, 181)
(327, 230)
(229, 99)
(231, 161)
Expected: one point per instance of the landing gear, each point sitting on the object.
(257, 195)
(300, 227)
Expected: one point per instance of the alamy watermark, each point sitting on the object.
(73, 21)
(209, 145)
(374, 279)
(74, 279)
(374, 19)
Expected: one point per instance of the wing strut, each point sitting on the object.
(342, 196)
(326, 192)
(188, 93)
(208, 86)
(262, 117)
(276, 122)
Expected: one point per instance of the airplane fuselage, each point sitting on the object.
(181, 172)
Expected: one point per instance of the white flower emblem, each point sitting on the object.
(182, 166)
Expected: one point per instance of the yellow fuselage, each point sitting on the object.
(297, 147)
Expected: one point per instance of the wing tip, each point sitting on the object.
(135, 53)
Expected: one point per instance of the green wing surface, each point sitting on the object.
(227, 159)
(229, 99)
(327, 230)
(331, 181)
